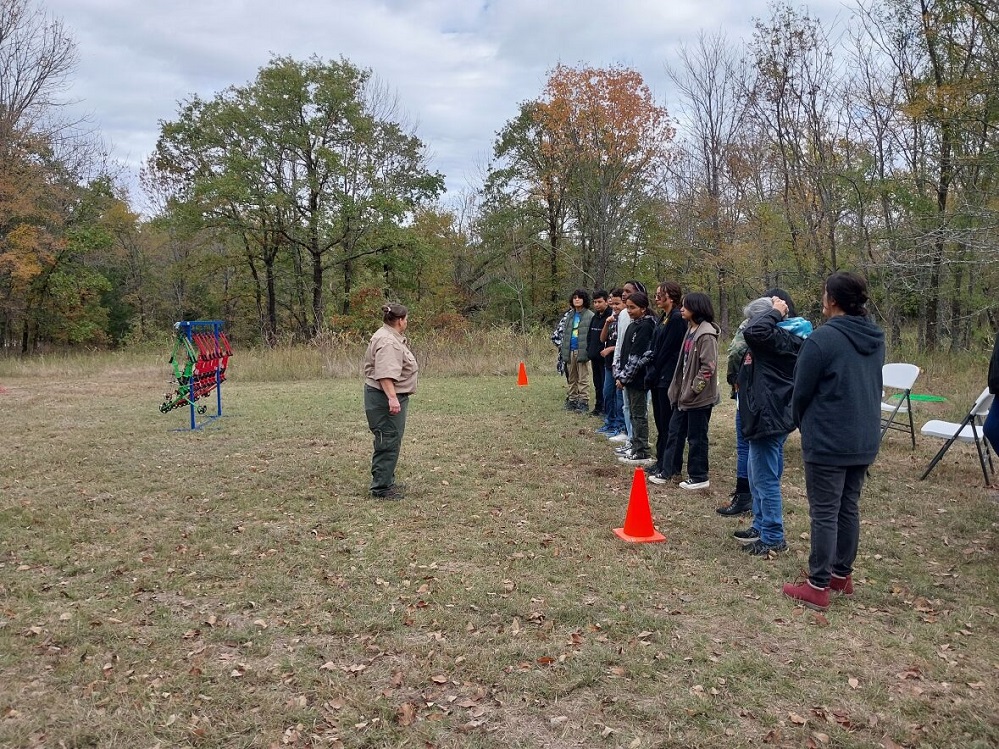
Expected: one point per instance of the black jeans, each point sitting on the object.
(662, 413)
(690, 427)
(834, 507)
(598, 369)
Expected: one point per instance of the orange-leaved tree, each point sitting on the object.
(619, 139)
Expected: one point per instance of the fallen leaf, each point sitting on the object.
(797, 719)
(439, 679)
(406, 715)
(853, 682)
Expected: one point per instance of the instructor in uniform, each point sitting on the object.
(390, 373)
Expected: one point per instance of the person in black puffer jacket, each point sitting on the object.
(837, 406)
(766, 380)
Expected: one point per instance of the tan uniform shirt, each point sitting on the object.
(388, 356)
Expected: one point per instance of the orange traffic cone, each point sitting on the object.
(522, 375)
(638, 528)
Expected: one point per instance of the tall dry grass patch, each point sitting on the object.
(492, 351)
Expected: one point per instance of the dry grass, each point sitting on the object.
(234, 587)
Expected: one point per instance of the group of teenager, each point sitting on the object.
(784, 375)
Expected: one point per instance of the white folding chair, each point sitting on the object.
(969, 430)
(898, 377)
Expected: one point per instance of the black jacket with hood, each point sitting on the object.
(636, 352)
(837, 392)
(667, 340)
(766, 377)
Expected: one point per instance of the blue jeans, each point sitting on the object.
(741, 448)
(613, 414)
(991, 426)
(766, 466)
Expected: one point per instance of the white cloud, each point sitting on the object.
(460, 67)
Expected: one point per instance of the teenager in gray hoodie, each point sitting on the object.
(836, 403)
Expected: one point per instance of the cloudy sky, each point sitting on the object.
(459, 67)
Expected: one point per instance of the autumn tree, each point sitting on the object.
(583, 161)
(36, 56)
(620, 141)
(307, 170)
(710, 87)
(937, 154)
(534, 171)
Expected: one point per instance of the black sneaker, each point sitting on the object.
(746, 536)
(737, 505)
(635, 459)
(393, 493)
(660, 478)
(760, 549)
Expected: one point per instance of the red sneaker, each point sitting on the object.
(808, 595)
(842, 585)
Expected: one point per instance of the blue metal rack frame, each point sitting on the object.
(188, 329)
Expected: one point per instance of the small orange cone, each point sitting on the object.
(638, 528)
(522, 375)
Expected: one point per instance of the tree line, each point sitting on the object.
(293, 204)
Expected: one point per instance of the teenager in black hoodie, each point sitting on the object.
(636, 353)
(836, 403)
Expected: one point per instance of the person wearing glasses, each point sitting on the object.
(666, 344)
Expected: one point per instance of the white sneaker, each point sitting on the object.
(694, 484)
(619, 437)
(624, 449)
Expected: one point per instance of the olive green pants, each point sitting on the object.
(388, 431)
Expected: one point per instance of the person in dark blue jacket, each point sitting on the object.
(836, 403)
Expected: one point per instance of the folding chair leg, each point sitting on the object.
(940, 454)
(946, 447)
(912, 427)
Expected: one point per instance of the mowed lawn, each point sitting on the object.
(235, 587)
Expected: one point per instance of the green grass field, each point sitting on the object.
(235, 587)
